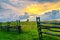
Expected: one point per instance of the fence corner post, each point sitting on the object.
(39, 27)
(18, 26)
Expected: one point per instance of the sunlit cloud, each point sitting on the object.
(35, 7)
(45, 0)
(40, 8)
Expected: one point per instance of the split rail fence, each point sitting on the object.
(8, 27)
(41, 27)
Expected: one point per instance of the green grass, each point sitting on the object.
(29, 32)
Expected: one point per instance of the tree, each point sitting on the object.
(27, 20)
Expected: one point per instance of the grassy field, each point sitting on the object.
(29, 32)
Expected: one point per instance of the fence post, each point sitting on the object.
(39, 28)
(18, 26)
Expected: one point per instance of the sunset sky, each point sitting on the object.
(39, 8)
(35, 7)
(32, 6)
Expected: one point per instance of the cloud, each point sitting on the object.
(15, 3)
(13, 8)
(8, 15)
(45, 0)
(25, 16)
(40, 8)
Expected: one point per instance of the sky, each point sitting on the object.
(32, 7)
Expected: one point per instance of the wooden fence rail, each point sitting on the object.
(40, 27)
(8, 27)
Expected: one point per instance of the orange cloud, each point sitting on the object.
(40, 8)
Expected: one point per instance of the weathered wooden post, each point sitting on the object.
(18, 26)
(39, 28)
